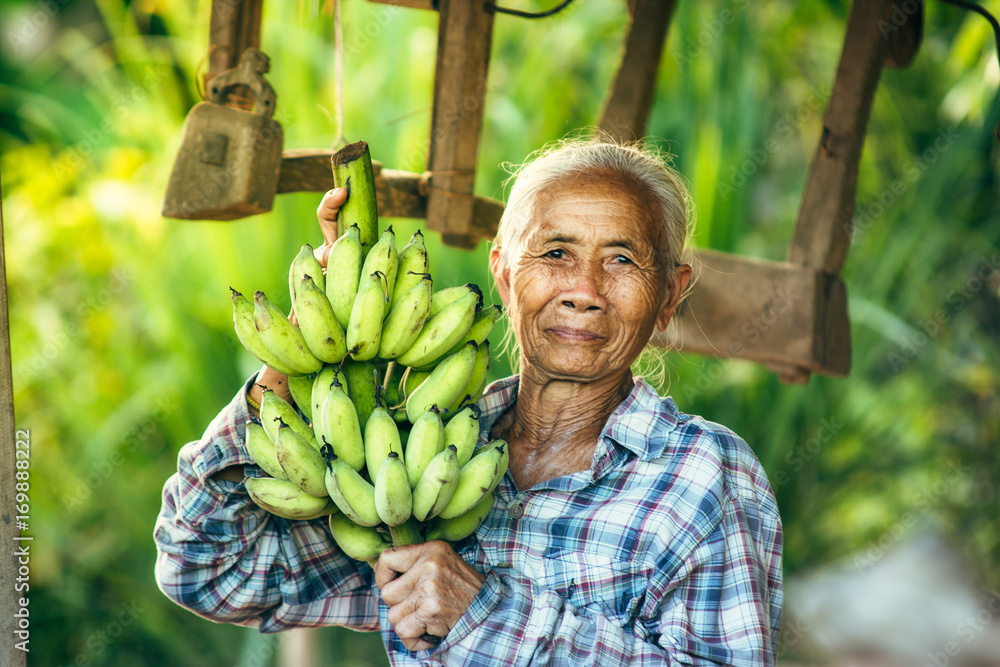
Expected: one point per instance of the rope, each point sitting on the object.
(491, 7)
(338, 47)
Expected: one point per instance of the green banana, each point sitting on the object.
(412, 380)
(442, 331)
(425, 441)
(409, 532)
(462, 432)
(320, 388)
(247, 333)
(413, 264)
(274, 408)
(362, 387)
(393, 499)
(406, 320)
(445, 385)
(436, 485)
(476, 479)
(300, 461)
(282, 338)
(351, 492)
(281, 497)
(358, 542)
(381, 438)
(343, 273)
(443, 297)
(300, 387)
(477, 381)
(364, 330)
(261, 450)
(482, 326)
(340, 427)
(502, 465)
(459, 528)
(383, 258)
(319, 326)
(304, 263)
(391, 384)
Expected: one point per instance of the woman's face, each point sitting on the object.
(591, 282)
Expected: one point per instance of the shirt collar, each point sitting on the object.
(636, 424)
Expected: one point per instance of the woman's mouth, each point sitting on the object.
(571, 335)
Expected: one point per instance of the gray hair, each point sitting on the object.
(634, 163)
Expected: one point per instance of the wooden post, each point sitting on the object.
(465, 35)
(10, 655)
(234, 27)
(823, 228)
(631, 97)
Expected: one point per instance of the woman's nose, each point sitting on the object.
(586, 293)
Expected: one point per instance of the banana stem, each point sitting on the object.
(407, 533)
(352, 169)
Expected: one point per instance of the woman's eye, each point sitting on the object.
(622, 259)
(555, 254)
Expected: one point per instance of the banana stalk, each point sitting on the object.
(352, 169)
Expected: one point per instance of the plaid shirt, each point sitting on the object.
(666, 551)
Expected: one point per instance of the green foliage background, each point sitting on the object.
(121, 326)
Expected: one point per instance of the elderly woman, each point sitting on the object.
(625, 532)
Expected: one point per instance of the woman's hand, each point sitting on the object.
(428, 587)
(326, 213)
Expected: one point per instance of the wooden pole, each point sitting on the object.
(10, 655)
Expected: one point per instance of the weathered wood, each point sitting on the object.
(399, 193)
(412, 4)
(775, 313)
(823, 228)
(234, 26)
(465, 34)
(631, 96)
(10, 655)
(903, 30)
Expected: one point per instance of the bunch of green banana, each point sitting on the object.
(384, 373)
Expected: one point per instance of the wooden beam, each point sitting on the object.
(792, 317)
(412, 4)
(465, 34)
(10, 655)
(631, 96)
(234, 27)
(823, 228)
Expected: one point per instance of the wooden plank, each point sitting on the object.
(234, 26)
(400, 194)
(776, 313)
(10, 655)
(823, 228)
(465, 35)
(412, 4)
(631, 96)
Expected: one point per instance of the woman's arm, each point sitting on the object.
(226, 559)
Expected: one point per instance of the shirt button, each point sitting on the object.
(515, 511)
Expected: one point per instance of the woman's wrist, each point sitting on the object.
(267, 378)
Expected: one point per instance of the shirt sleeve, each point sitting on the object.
(224, 558)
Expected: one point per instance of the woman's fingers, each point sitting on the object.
(326, 213)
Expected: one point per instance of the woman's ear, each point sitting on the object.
(501, 275)
(682, 276)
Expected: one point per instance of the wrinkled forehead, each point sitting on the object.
(598, 205)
